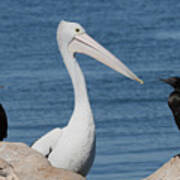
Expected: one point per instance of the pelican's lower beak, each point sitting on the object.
(84, 44)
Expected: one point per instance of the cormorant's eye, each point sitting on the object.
(77, 29)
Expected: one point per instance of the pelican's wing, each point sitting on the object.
(3, 123)
(46, 143)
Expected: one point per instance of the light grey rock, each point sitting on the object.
(7, 171)
(26, 164)
(169, 171)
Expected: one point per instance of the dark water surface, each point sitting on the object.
(136, 133)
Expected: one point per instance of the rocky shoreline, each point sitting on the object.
(20, 162)
(169, 171)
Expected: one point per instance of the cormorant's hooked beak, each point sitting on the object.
(1, 86)
(84, 44)
(170, 81)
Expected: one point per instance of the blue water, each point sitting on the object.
(136, 132)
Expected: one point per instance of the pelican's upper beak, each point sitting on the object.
(84, 44)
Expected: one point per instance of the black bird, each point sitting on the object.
(174, 98)
(3, 123)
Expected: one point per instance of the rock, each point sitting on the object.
(169, 171)
(7, 171)
(23, 163)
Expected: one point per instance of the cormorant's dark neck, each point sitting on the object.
(177, 119)
(177, 89)
(174, 104)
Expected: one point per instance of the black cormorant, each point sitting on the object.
(3, 123)
(174, 98)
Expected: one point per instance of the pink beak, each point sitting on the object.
(84, 44)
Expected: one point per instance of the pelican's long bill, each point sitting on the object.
(84, 44)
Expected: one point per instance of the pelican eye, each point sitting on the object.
(77, 29)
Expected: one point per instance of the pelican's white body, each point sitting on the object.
(75, 150)
(73, 147)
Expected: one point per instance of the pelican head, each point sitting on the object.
(67, 31)
(73, 37)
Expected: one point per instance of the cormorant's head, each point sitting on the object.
(173, 81)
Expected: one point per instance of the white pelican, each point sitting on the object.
(73, 147)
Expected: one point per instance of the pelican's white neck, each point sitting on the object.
(78, 81)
